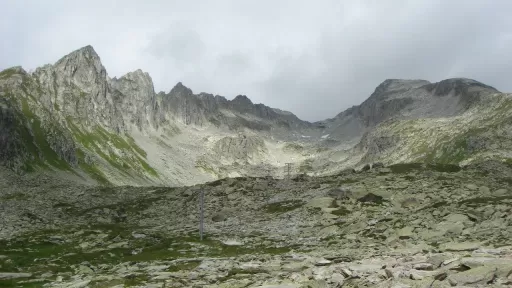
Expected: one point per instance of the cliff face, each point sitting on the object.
(203, 109)
(71, 117)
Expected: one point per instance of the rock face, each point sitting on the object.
(138, 98)
(72, 118)
(180, 104)
(409, 99)
(240, 149)
(78, 86)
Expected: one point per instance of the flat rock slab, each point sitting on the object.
(14, 275)
(479, 275)
(321, 202)
(232, 243)
(457, 247)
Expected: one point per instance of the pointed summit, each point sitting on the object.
(180, 90)
(83, 68)
(86, 52)
(242, 99)
(138, 76)
(83, 58)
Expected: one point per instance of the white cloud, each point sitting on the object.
(314, 58)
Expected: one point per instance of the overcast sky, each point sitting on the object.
(313, 58)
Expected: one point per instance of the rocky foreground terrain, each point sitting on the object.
(405, 225)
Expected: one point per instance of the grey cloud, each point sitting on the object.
(314, 59)
(183, 46)
(234, 64)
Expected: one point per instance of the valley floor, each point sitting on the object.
(407, 225)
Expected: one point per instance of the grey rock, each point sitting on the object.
(463, 246)
(340, 193)
(479, 275)
(6, 275)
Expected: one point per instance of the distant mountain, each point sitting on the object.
(73, 119)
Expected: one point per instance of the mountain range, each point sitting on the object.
(72, 120)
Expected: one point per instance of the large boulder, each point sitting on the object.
(322, 202)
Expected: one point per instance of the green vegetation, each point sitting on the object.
(101, 142)
(8, 73)
(15, 196)
(283, 206)
(293, 147)
(322, 149)
(451, 151)
(306, 166)
(206, 167)
(133, 206)
(91, 169)
(341, 211)
(148, 168)
(508, 162)
(348, 181)
(184, 265)
(23, 283)
(35, 141)
(237, 271)
(135, 147)
(214, 121)
(401, 168)
(405, 167)
(440, 167)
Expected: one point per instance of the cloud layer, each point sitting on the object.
(313, 58)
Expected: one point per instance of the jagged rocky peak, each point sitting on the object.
(181, 90)
(243, 103)
(136, 84)
(282, 112)
(242, 99)
(83, 68)
(458, 86)
(83, 58)
(138, 97)
(137, 76)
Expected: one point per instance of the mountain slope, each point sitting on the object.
(408, 99)
(72, 118)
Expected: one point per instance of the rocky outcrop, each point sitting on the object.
(77, 85)
(203, 109)
(75, 112)
(397, 99)
(11, 144)
(80, 120)
(137, 99)
(239, 149)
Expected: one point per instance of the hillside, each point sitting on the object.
(100, 184)
(70, 117)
